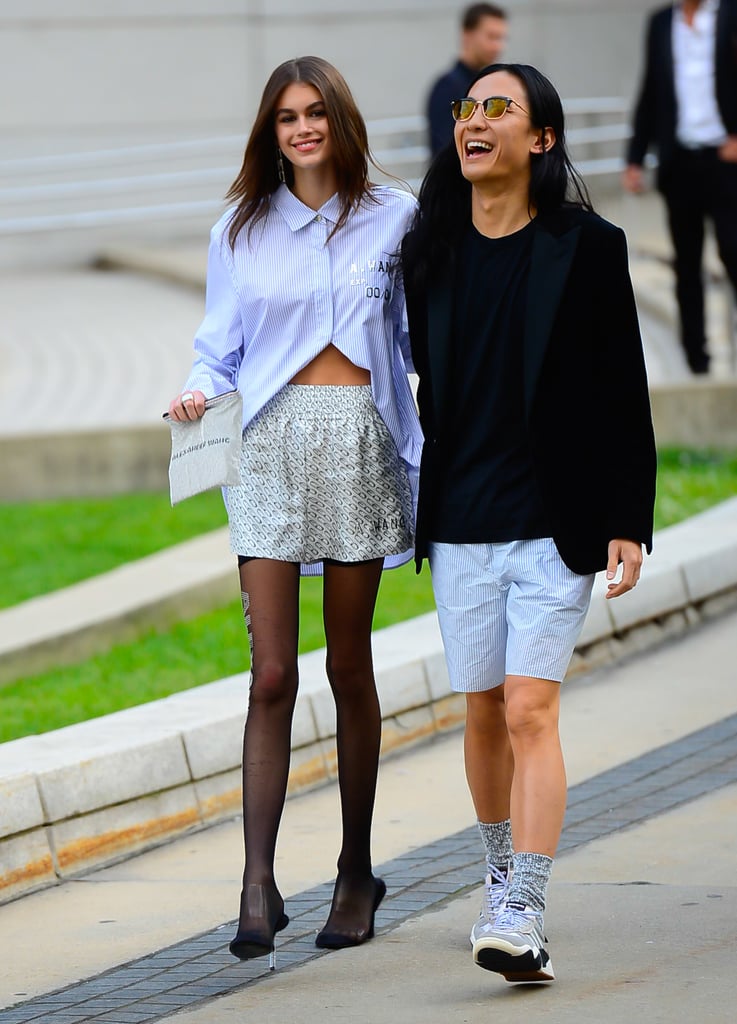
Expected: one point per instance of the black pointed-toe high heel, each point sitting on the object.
(338, 940)
(257, 937)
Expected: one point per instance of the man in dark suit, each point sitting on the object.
(687, 111)
(483, 37)
(538, 467)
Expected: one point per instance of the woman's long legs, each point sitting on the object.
(348, 606)
(270, 591)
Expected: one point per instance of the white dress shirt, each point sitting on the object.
(694, 55)
(286, 292)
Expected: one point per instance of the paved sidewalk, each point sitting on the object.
(86, 349)
(642, 916)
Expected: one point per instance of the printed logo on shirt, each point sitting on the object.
(365, 276)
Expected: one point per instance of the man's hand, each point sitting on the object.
(728, 150)
(633, 179)
(629, 554)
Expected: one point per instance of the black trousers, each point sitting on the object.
(697, 185)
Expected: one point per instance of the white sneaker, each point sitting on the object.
(495, 889)
(515, 946)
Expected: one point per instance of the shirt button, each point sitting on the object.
(318, 218)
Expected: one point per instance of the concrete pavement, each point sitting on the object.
(641, 916)
(84, 349)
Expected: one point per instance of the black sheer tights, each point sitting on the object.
(271, 606)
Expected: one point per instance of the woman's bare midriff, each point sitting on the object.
(331, 367)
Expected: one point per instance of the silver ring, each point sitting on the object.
(187, 397)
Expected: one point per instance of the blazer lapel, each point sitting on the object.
(549, 267)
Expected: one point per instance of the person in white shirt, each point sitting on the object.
(687, 110)
(305, 316)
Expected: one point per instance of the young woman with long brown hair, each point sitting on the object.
(304, 315)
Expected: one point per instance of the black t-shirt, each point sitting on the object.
(487, 489)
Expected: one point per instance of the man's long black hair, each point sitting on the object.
(445, 195)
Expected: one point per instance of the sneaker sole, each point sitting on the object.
(514, 964)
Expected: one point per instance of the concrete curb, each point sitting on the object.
(698, 413)
(115, 607)
(102, 790)
(80, 463)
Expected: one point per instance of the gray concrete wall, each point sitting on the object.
(100, 72)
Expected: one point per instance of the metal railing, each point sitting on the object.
(180, 180)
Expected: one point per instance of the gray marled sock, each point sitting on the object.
(497, 839)
(530, 877)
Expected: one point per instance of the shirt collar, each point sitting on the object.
(707, 5)
(297, 215)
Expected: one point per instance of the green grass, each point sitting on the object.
(690, 481)
(209, 647)
(51, 544)
(88, 535)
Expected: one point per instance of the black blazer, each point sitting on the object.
(655, 111)
(586, 400)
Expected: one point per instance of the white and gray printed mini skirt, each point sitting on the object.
(320, 479)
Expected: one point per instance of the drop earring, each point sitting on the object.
(280, 165)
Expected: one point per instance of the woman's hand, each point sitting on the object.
(190, 405)
(629, 553)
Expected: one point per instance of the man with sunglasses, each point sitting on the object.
(687, 110)
(538, 467)
(483, 38)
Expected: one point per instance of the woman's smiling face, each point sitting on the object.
(302, 127)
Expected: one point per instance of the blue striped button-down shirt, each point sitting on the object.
(286, 292)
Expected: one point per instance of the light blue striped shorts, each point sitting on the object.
(512, 608)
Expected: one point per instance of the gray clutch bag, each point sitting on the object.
(206, 453)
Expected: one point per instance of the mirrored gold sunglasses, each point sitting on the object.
(492, 106)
